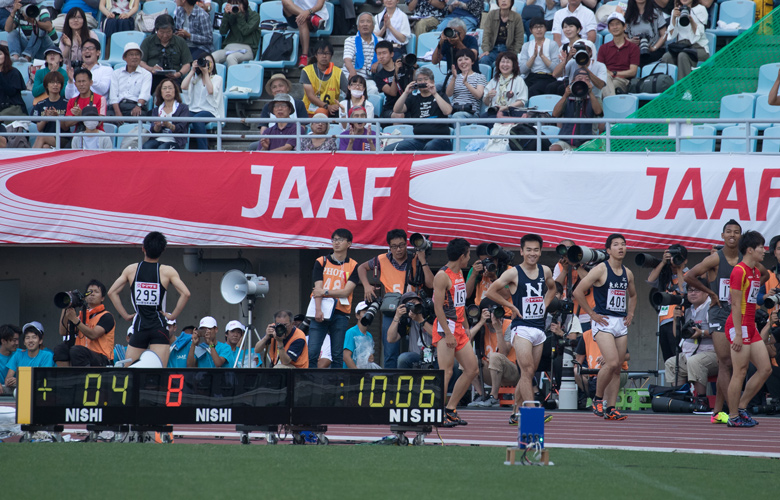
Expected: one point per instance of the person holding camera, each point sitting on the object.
(30, 32)
(688, 37)
(697, 359)
(241, 29)
(427, 103)
(503, 32)
(131, 86)
(398, 271)
(581, 55)
(193, 24)
(414, 321)
(101, 75)
(202, 93)
(538, 59)
(667, 277)
(32, 354)
(165, 54)
(359, 330)
(286, 344)
(615, 296)
(532, 288)
(334, 280)
(619, 56)
(578, 101)
(453, 39)
(772, 286)
(646, 28)
(205, 351)
(88, 335)
(386, 75)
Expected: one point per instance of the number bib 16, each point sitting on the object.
(616, 300)
(147, 294)
(533, 307)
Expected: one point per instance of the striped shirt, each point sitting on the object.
(461, 94)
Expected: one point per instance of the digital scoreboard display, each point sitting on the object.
(146, 396)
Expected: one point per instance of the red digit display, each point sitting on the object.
(174, 391)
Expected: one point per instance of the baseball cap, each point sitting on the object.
(35, 326)
(208, 322)
(234, 325)
(407, 297)
(616, 15)
(361, 306)
(54, 49)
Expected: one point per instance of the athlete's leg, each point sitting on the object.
(528, 357)
(723, 351)
(134, 353)
(760, 359)
(162, 351)
(610, 368)
(446, 357)
(611, 391)
(739, 363)
(468, 364)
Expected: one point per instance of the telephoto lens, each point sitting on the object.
(449, 32)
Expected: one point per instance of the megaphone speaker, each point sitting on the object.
(234, 286)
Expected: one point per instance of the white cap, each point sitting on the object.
(208, 322)
(234, 325)
(132, 46)
(361, 306)
(35, 325)
(616, 15)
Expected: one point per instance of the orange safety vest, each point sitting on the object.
(592, 352)
(105, 343)
(335, 277)
(491, 342)
(393, 279)
(303, 359)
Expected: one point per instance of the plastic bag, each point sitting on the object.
(364, 349)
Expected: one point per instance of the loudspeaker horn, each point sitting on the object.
(236, 286)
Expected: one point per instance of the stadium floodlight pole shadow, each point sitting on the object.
(235, 287)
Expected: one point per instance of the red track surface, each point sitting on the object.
(641, 431)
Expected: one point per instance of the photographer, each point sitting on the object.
(454, 38)
(597, 71)
(241, 29)
(578, 101)
(30, 32)
(88, 335)
(488, 337)
(413, 320)
(687, 36)
(772, 286)
(697, 359)
(286, 344)
(667, 277)
(205, 351)
(396, 271)
(359, 330)
(561, 276)
(165, 54)
(386, 75)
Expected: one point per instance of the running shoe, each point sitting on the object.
(598, 408)
(719, 418)
(303, 61)
(547, 419)
(744, 414)
(740, 421)
(489, 402)
(317, 22)
(613, 414)
(478, 401)
(452, 417)
(514, 419)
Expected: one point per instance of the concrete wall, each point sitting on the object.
(43, 271)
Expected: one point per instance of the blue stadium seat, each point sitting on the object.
(252, 6)
(551, 131)
(154, 6)
(426, 42)
(24, 69)
(544, 102)
(273, 11)
(700, 145)
(733, 139)
(486, 70)
(378, 100)
(767, 74)
(472, 130)
(222, 71)
(216, 40)
(712, 39)
(620, 106)
(101, 37)
(244, 75)
(127, 130)
(765, 110)
(735, 11)
(406, 130)
(27, 97)
(439, 73)
(110, 128)
(771, 141)
(118, 42)
(738, 106)
(287, 63)
(411, 44)
(4, 36)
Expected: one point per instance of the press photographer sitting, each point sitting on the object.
(697, 359)
(578, 101)
(414, 322)
(286, 344)
(88, 335)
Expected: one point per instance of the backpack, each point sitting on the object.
(526, 143)
(654, 83)
(280, 47)
(17, 141)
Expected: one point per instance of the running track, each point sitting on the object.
(642, 431)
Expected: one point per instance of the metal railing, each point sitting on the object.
(220, 134)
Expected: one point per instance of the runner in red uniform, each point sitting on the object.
(450, 327)
(746, 345)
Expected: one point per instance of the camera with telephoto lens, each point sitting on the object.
(472, 314)
(646, 260)
(31, 11)
(560, 306)
(468, 108)
(373, 309)
(685, 16)
(280, 330)
(577, 254)
(581, 57)
(579, 90)
(688, 329)
(420, 242)
(644, 46)
(659, 299)
(73, 298)
(303, 323)
(679, 254)
(772, 301)
(234, 9)
(202, 63)
(449, 33)
(497, 253)
(409, 59)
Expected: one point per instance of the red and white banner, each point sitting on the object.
(297, 200)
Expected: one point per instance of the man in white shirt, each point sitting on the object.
(131, 86)
(584, 14)
(367, 41)
(101, 75)
(597, 71)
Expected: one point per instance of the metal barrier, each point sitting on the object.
(220, 134)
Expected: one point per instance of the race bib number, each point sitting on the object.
(533, 307)
(723, 289)
(752, 297)
(147, 294)
(616, 300)
(460, 294)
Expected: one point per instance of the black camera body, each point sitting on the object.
(659, 299)
(685, 16)
(449, 33)
(72, 298)
(76, 65)
(489, 265)
(280, 331)
(688, 329)
(468, 108)
(234, 9)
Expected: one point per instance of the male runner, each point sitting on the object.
(532, 287)
(747, 346)
(718, 267)
(449, 303)
(615, 296)
(149, 281)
